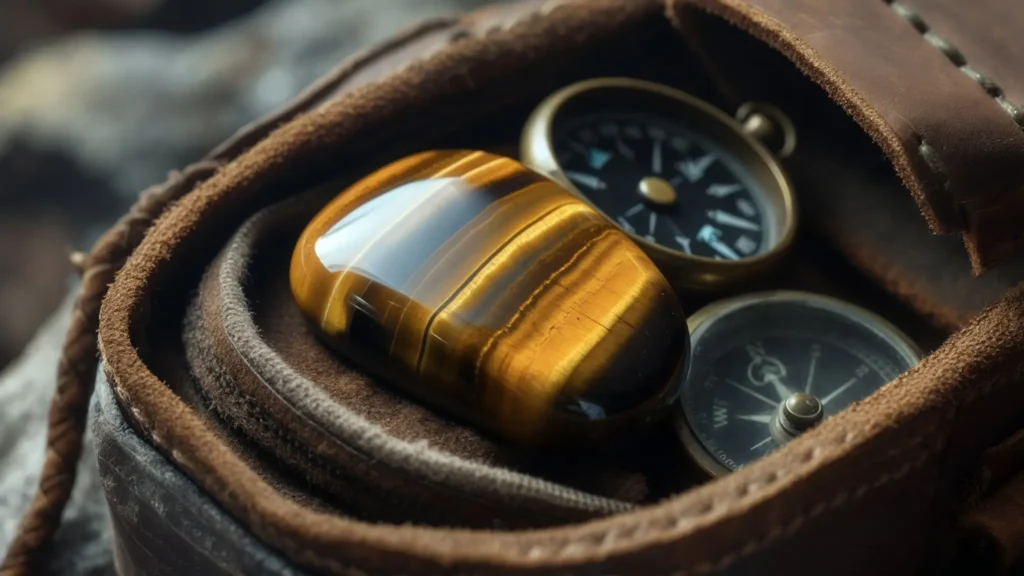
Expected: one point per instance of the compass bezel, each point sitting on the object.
(701, 321)
(683, 270)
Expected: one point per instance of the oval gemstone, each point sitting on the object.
(494, 295)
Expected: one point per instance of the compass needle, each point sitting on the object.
(634, 210)
(840, 390)
(588, 180)
(753, 393)
(754, 358)
(815, 352)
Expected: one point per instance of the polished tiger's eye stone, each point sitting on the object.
(494, 295)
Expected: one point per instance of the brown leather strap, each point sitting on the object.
(76, 372)
(938, 86)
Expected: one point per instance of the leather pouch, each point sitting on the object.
(904, 110)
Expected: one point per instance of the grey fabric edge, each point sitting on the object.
(138, 479)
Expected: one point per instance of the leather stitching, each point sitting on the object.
(957, 58)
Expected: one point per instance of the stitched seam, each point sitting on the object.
(957, 58)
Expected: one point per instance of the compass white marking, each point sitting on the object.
(815, 352)
(759, 418)
(625, 150)
(720, 415)
(597, 158)
(839, 390)
(723, 190)
(745, 245)
(761, 443)
(656, 157)
(757, 395)
(625, 224)
(694, 168)
(634, 210)
(588, 180)
(746, 207)
(578, 147)
(684, 242)
(711, 236)
(781, 389)
(652, 222)
(727, 219)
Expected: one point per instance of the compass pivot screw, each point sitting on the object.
(657, 191)
(800, 412)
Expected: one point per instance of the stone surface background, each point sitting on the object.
(98, 100)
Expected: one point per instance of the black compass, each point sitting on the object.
(682, 191)
(767, 367)
(704, 198)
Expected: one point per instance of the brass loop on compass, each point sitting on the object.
(769, 125)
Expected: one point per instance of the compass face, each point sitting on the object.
(666, 183)
(766, 368)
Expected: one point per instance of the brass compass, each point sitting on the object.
(698, 190)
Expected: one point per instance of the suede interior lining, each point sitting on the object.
(360, 440)
(891, 457)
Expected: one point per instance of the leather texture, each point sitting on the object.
(885, 478)
(904, 71)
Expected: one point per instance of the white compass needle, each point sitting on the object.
(753, 393)
(759, 418)
(839, 390)
(588, 180)
(781, 389)
(810, 371)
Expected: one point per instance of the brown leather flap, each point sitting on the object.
(934, 82)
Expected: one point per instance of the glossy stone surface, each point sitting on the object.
(495, 296)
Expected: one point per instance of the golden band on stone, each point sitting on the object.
(494, 295)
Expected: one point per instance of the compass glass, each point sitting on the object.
(666, 183)
(765, 368)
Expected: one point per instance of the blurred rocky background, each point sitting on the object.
(101, 98)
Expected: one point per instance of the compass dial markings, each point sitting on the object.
(625, 224)
(634, 210)
(597, 158)
(588, 180)
(711, 236)
(761, 443)
(695, 168)
(611, 156)
(753, 393)
(815, 354)
(726, 219)
(723, 190)
(786, 342)
(840, 390)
